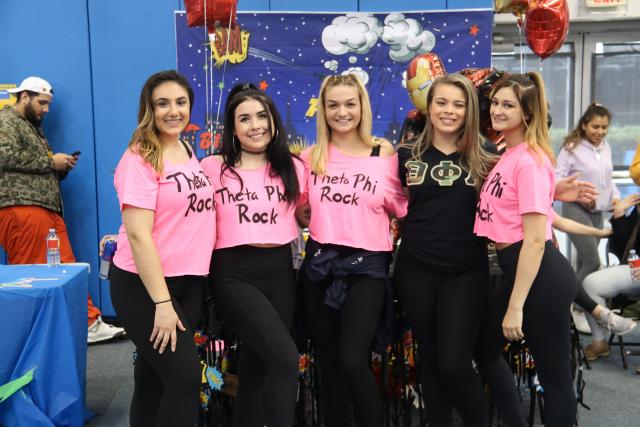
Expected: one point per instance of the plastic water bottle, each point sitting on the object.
(634, 263)
(53, 248)
(105, 261)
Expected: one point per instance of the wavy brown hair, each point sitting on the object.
(473, 158)
(145, 139)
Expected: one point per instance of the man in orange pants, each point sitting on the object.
(30, 202)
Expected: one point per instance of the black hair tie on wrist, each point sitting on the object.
(162, 302)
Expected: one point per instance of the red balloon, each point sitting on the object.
(546, 26)
(221, 11)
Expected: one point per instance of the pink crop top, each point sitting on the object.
(255, 213)
(352, 202)
(184, 228)
(520, 183)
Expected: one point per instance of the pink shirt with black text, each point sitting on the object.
(521, 182)
(255, 212)
(352, 202)
(184, 228)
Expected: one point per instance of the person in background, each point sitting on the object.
(586, 151)
(257, 184)
(164, 249)
(634, 173)
(515, 211)
(634, 168)
(617, 280)
(30, 199)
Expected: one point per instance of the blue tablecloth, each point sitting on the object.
(43, 325)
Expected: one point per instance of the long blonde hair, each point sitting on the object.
(473, 158)
(320, 151)
(144, 140)
(530, 91)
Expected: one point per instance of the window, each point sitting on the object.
(615, 84)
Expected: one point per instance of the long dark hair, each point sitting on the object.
(279, 157)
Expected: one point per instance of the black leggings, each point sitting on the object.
(341, 342)
(254, 291)
(546, 332)
(167, 385)
(445, 312)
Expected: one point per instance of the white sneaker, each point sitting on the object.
(615, 323)
(580, 320)
(100, 331)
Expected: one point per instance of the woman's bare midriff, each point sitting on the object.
(265, 245)
(501, 246)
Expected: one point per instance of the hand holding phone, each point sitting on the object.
(76, 153)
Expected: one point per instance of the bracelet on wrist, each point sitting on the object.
(162, 302)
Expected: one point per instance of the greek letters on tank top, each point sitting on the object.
(181, 197)
(253, 211)
(351, 203)
(438, 229)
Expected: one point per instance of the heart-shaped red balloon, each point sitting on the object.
(546, 26)
(221, 11)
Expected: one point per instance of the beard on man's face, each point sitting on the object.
(31, 115)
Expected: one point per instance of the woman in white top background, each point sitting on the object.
(586, 151)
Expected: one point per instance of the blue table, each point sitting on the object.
(43, 327)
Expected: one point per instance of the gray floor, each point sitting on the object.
(612, 392)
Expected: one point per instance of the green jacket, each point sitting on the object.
(27, 176)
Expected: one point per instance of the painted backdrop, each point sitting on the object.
(288, 54)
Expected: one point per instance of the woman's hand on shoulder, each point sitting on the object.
(386, 148)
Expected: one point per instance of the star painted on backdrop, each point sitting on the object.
(206, 66)
(264, 85)
(474, 30)
(221, 85)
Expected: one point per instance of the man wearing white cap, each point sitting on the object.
(30, 202)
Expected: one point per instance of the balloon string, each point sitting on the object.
(224, 67)
(520, 44)
(206, 73)
(212, 125)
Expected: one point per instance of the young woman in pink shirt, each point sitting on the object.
(353, 189)
(515, 211)
(164, 249)
(257, 187)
